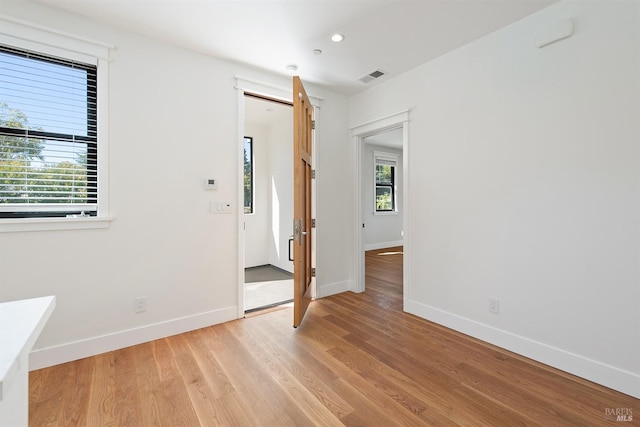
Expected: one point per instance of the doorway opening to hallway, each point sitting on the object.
(268, 202)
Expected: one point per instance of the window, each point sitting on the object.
(385, 182)
(48, 136)
(248, 175)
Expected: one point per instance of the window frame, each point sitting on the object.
(245, 140)
(385, 159)
(21, 34)
(89, 141)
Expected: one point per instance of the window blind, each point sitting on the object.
(48, 135)
(385, 161)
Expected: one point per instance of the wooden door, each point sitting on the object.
(302, 175)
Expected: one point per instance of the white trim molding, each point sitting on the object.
(50, 356)
(359, 132)
(375, 126)
(333, 289)
(31, 36)
(592, 370)
(53, 224)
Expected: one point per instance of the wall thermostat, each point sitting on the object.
(210, 184)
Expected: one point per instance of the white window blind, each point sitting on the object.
(48, 135)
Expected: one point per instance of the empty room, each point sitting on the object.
(453, 200)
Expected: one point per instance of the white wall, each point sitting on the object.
(258, 224)
(173, 123)
(269, 227)
(281, 191)
(523, 186)
(381, 230)
(334, 207)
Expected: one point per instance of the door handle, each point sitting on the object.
(291, 248)
(298, 231)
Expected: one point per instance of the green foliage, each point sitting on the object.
(248, 177)
(384, 174)
(23, 171)
(383, 201)
(384, 183)
(15, 147)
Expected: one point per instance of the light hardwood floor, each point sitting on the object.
(357, 360)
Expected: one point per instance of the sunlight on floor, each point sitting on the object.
(262, 294)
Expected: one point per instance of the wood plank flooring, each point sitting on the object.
(356, 360)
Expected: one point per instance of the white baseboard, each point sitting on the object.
(63, 353)
(382, 245)
(333, 288)
(606, 375)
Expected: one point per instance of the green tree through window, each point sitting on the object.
(248, 175)
(385, 182)
(25, 173)
(16, 153)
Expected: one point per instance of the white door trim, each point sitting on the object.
(359, 133)
(240, 202)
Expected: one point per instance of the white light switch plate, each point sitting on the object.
(220, 207)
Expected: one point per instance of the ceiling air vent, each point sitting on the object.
(371, 76)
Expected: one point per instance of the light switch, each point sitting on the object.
(219, 207)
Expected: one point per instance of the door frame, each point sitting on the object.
(269, 91)
(359, 133)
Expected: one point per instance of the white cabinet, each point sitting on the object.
(20, 325)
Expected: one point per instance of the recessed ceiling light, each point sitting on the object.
(292, 67)
(337, 37)
(317, 52)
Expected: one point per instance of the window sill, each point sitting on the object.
(385, 213)
(53, 224)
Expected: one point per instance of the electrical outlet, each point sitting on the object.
(140, 304)
(494, 305)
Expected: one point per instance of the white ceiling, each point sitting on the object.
(390, 35)
(258, 112)
(389, 138)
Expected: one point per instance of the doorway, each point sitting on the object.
(396, 124)
(382, 184)
(382, 202)
(268, 202)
